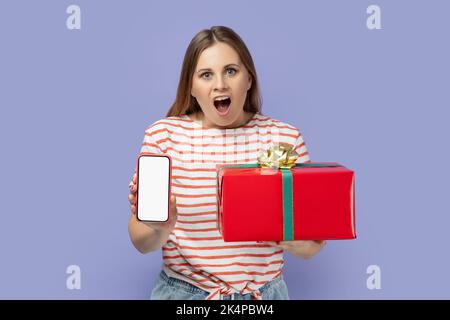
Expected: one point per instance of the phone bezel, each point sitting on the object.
(147, 154)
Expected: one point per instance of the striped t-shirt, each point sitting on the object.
(195, 251)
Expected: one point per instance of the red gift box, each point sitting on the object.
(251, 205)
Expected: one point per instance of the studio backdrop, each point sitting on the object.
(365, 82)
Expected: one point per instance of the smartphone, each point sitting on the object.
(153, 187)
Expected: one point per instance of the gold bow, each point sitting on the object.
(278, 156)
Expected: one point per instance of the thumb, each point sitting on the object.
(173, 210)
(173, 203)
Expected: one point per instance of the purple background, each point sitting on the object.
(75, 104)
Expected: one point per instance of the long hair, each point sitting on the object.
(187, 104)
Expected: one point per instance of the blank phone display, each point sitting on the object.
(153, 188)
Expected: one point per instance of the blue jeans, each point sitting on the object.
(168, 288)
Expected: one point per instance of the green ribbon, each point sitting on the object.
(287, 192)
(288, 205)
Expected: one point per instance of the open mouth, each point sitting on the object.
(222, 105)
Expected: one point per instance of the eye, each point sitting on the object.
(203, 75)
(233, 71)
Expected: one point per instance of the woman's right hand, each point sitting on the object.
(166, 227)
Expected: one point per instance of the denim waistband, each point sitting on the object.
(193, 289)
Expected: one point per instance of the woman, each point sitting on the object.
(215, 119)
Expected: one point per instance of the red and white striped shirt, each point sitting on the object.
(195, 251)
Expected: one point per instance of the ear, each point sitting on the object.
(249, 82)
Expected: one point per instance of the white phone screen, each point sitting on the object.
(153, 184)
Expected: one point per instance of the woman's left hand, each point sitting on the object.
(300, 248)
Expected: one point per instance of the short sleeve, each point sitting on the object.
(149, 145)
(301, 149)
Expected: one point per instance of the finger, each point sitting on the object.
(134, 178)
(173, 204)
(131, 198)
(173, 209)
(285, 244)
(133, 188)
(321, 243)
(133, 209)
(273, 243)
(299, 242)
(174, 217)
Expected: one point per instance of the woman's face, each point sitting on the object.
(220, 84)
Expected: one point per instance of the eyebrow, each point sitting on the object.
(228, 65)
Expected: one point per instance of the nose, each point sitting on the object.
(220, 83)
